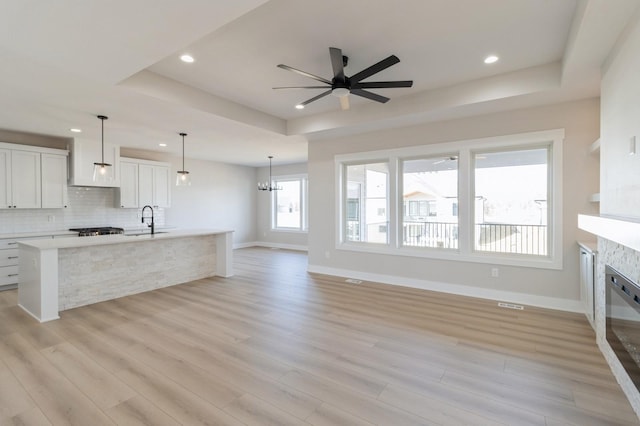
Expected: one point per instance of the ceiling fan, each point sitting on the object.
(341, 85)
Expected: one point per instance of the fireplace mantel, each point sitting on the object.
(620, 230)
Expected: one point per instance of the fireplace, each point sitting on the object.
(623, 321)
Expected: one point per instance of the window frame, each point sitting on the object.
(343, 225)
(553, 139)
(304, 205)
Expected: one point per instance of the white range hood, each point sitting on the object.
(85, 152)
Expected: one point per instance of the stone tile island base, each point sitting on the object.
(54, 279)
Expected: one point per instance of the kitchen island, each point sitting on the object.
(56, 275)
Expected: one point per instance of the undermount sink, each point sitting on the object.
(137, 234)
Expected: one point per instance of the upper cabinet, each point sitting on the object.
(84, 153)
(144, 182)
(32, 177)
(54, 181)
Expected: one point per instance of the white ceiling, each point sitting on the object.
(64, 62)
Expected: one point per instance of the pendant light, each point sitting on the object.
(270, 185)
(102, 172)
(183, 179)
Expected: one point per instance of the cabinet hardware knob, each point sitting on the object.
(13, 243)
(12, 275)
(12, 257)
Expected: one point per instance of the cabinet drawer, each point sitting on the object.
(9, 275)
(8, 244)
(9, 257)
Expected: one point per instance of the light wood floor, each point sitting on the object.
(275, 345)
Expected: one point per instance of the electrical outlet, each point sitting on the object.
(495, 272)
(327, 254)
(51, 218)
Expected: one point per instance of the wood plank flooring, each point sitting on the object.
(274, 345)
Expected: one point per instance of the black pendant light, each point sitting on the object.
(102, 172)
(269, 185)
(183, 179)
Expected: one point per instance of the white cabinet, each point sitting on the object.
(144, 182)
(84, 153)
(20, 181)
(26, 185)
(8, 262)
(5, 179)
(587, 276)
(32, 177)
(154, 185)
(128, 193)
(54, 181)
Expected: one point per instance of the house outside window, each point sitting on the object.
(367, 199)
(430, 188)
(492, 200)
(513, 187)
(289, 204)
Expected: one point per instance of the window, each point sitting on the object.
(511, 193)
(367, 198)
(430, 189)
(493, 200)
(290, 204)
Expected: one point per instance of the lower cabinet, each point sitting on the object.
(587, 280)
(8, 262)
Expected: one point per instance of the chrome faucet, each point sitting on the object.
(150, 225)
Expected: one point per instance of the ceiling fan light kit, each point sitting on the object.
(342, 86)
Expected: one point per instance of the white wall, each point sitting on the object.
(552, 288)
(265, 235)
(620, 120)
(221, 196)
(620, 177)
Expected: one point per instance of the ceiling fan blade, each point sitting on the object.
(369, 95)
(344, 102)
(383, 84)
(336, 63)
(375, 68)
(304, 73)
(315, 98)
(301, 87)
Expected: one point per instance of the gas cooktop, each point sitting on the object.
(104, 230)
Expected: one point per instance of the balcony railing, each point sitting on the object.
(509, 238)
(430, 234)
(489, 237)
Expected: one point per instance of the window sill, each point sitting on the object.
(455, 255)
(290, 230)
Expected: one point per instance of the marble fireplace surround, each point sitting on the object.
(618, 246)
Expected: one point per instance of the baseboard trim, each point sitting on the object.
(279, 246)
(462, 290)
(245, 245)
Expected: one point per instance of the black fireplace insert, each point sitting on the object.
(623, 321)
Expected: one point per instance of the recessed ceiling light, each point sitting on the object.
(162, 144)
(187, 58)
(74, 130)
(299, 106)
(491, 59)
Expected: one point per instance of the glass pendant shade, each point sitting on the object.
(102, 172)
(183, 178)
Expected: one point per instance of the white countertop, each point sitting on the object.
(52, 243)
(42, 234)
(620, 230)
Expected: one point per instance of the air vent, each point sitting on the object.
(511, 306)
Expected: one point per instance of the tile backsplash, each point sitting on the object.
(87, 206)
